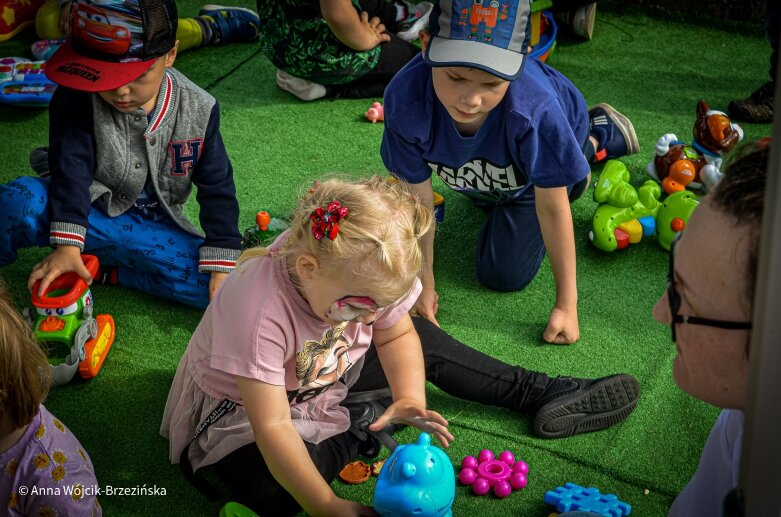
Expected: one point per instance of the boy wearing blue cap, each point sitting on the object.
(509, 132)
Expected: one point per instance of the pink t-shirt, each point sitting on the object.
(259, 326)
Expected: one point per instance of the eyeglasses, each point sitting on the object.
(674, 299)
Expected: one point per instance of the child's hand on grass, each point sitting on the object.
(216, 280)
(408, 411)
(427, 305)
(563, 326)
(62, 260)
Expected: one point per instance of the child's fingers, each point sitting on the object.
(36, 275)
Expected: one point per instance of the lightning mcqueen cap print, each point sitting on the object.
(112, 42)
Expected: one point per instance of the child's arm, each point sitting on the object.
(555, 217)
(285, 453)
(357, 32)
(219, 208)
(428, 301)
(401, 357)
(72, 165)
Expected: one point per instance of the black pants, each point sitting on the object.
(394, 54)
(453, 367)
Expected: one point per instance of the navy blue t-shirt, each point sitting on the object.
(535, 136)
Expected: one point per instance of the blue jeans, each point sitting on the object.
(510, 248)
(156, 257)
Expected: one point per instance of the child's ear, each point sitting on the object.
(424, 36)
(306, 266)
(171, 56)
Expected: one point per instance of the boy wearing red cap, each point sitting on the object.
(128, 138)
(518, 144)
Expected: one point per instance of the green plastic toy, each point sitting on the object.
(234, 509)
(263, 233)
(626, 215)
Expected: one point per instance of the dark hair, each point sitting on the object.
(24, 368)
(741, 195)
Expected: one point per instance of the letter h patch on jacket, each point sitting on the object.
(184, 155)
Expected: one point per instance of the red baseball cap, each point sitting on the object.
(113, 42)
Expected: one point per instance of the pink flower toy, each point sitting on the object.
(486, 472)
(375, 113)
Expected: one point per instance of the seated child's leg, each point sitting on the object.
(510, 248)
(394, 54)
(217, 25)
(245, 473)
(561, 406)
(23, 216)
(156, 257)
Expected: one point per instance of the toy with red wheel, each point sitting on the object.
(63, 316)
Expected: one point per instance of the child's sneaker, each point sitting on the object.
(16, 15)
(416, 20)
(230, 24)
(572, 406)
(301, 88)
(39, 161)
(364, 408)
(614, 132)
(581, 20)
(758, 107)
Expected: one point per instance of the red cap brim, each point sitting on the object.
(73, 70)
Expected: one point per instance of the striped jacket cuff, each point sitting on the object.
(67, 233)
(217, 259)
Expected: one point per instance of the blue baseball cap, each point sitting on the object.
(492, 35)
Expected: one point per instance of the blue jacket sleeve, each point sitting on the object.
(219, 208)
(71, 165)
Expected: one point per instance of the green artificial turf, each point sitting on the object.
(653, 70)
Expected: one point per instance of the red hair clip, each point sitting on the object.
(325, 221)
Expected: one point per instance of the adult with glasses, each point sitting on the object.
(708, 305)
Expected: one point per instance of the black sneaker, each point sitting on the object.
(614, 132)
(572, 406)
(366, 407)
(757, 108)
(39, 161)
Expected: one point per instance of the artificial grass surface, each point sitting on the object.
(653, 70)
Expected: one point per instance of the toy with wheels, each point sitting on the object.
(23, 83)
(417, 480)
(64, 315)
(678, 165)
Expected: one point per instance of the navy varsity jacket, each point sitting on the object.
(100, 155)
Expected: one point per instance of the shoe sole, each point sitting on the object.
(598, 407)
(624, 126)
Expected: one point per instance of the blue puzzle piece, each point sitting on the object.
(574, 497)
